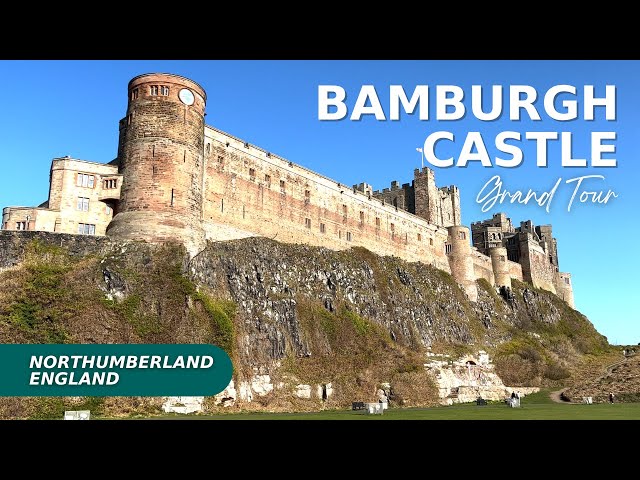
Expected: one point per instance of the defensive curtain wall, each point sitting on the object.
(179, 179)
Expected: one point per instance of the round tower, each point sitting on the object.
(160, 154)
(564, 289)
(460, 261)
(500, 267)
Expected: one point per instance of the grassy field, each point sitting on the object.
(534, 407)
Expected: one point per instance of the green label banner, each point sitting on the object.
(113, 370)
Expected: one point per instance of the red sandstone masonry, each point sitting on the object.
(181, 180)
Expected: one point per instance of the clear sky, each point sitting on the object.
(56, 108)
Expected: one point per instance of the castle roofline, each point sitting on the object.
(169, 75)
(82, 161)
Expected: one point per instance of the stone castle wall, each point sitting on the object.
(536, 268)
(482, 267)
(249, 191)
(71, 181)
(181, 180)
(66, 188)
(564, 288)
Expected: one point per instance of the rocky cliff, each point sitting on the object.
(306, 327)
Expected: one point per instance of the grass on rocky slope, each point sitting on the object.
(360, 356)
(53, 297)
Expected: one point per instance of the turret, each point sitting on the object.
(160, 154)
(460, 260)
(500, 267)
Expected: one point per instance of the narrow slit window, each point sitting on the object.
(172, 196)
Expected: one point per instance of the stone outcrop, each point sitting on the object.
(312, 328)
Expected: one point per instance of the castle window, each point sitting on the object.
(462, 235)
(134, 94)
(447, 248)
(86, 229)
(172, 197)
(85, 180)
(322, 228)
(164, 91)
(83, 204)
(282, 188)
(344, 212)
(154, 90)
(566, 280)
(419, 237)
(21, 225)
(108, 210)
(307, 222)
(208, 148)
(361, 218)
(129, 118)
(111, 183)
(502, 259)
(378, 223)
(220, 159)
(307, 197)
(340, 234)
(252, 174)
(348, 236)
(267, 180)
(393, 231)
(431, 242)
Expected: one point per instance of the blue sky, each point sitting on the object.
(55, 108)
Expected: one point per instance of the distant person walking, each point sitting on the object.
(611, 396)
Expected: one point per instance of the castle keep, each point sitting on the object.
(177, 179)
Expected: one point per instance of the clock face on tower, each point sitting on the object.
(186, 96)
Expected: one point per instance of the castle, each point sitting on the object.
(177, 179)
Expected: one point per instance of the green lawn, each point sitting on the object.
(534, 407)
